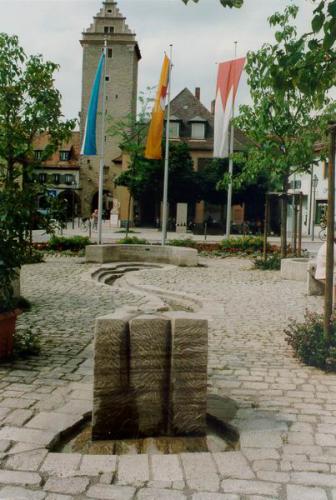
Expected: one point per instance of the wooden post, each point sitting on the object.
(328, 298)
(266, 227)
(300, 226)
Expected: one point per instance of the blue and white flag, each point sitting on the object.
(89, 147)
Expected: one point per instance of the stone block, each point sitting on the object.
(233, 464)
(178, 256)
(108, 492)
(114, 415)
(61, 464)
(314, 287)
(294, 492)
(133, 469)
(149, 381)
(28, 461)
(150, 340)
(67, 485)
(98, 464)
(25, 435)
(294, 269)
(54, 421)
(166, 468)
(155, 494)
(21, 478)
(17, 493)
(188, 387)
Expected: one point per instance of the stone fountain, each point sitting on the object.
(150, 376)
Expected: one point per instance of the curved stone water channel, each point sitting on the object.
(220, 434)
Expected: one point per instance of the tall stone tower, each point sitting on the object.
(122, 60)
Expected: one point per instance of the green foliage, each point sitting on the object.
(133, 240)
(74, 243)
(309, 342)
(245, 244)
(225, 3)
(272, 263)
(283, 123)
(26, 343)
(33, 257)
(187, 242)
(29, 105)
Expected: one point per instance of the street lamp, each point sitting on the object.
(314, 184)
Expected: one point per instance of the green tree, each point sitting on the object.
(283, 123)
(29, 105)
(131, 132)
(225, 3)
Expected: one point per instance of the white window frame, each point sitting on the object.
(198, 131)
(174, 130)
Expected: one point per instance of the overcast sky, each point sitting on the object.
(202, 34)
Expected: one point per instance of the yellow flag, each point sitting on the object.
(154, 138)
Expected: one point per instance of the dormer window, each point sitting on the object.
(38, 154)
(64, 155)
(198, 131)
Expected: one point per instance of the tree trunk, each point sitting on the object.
(284, 226)
(128, 214)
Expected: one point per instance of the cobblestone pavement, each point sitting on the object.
(286, 416)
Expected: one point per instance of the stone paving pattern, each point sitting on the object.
(287, 415)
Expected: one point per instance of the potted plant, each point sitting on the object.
(9, 266)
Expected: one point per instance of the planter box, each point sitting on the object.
(7, 330)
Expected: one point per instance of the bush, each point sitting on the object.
(245, 244)
(26, 343)
(133, 240)
(74, 244)
(34, 258)
(188, 242)
(309, 344)
(272, 263)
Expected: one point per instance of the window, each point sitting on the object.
(320, 211)
(198, 130)
(109, 53)
(64, 155)
(56, 178)
(38, 154)
(295, 185)
(174, 130)
(68, 179)
(107, 78)
(106, 29)
(42, 178)
(111, 29)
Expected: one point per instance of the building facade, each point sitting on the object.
(60, 173)
(191, 122)
(314, 189)
(121, 81)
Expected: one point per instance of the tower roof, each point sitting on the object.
(110, 24)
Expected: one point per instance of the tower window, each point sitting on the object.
(107, 78)
(106, 29)
(109, 53)
(111, 29)
(109, 11)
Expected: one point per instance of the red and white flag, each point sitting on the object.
(229, 74)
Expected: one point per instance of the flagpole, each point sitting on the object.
(166, 164)
(102, 155)
(229, 195)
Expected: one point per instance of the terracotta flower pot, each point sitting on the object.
(7, 330)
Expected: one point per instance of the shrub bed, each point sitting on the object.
(133, 240)
(74, 244)
(272, 263)
(309, 343)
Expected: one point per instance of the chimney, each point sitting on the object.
(213, 104)
(198, 93)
